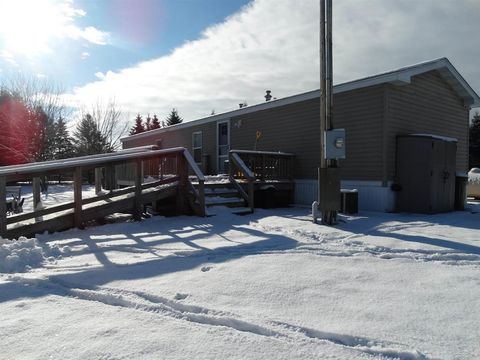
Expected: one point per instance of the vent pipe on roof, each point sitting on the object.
(268, 97)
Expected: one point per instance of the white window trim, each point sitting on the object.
(217, 155)
(194, 148)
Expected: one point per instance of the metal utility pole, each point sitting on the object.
(332, 142)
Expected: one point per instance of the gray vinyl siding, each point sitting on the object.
(295, 128)
(182, 138)
(427, 105)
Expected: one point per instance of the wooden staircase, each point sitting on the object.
(221, 194)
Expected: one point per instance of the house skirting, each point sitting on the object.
(372, 195)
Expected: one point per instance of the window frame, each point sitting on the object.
(198, 147)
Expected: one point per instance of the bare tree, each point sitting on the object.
(34, 105)
(110, 121)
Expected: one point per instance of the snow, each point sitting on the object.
(269, 285)
(24, 254)
(438, 137)
(474, 176)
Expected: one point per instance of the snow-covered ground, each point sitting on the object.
(270, 285)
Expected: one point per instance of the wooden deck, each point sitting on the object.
(153, 176)
(77, 213)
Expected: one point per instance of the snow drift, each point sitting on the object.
(23, 254)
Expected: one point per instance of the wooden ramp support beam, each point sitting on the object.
(137, 210)
(77, 198)
(3, 205)
(98, 180)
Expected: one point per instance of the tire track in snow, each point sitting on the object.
(142, 301)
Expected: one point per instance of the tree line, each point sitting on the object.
(34, 124)
(474, 141)
(153, 123)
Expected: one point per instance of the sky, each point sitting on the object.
(199, 56)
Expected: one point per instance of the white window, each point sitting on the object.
(197, 146)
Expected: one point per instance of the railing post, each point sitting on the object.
(3, 206)
(231, 171)
(263, 168)
(36, 192)
(77, 198)
(98, 180)
(182, 184)
(137, 202)
(201, 196)
(250, 195)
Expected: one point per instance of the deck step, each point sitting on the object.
(216, 210)
(223, 192)
(221, 201)
(215, 185)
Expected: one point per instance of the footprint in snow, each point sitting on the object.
(180, 296)
(206, 268)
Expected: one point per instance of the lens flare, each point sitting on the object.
(21, 132)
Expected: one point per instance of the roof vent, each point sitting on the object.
(268, 97)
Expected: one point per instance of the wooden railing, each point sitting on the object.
(268, 165)
(131, 199)
(238, 169)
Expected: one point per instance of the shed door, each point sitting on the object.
(223, 145)
(443, 175)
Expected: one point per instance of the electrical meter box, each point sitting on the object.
(334, 144)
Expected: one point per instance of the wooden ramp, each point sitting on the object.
(167, 180)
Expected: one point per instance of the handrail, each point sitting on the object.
(266, 165)
(249, 175)
(254, 152)
(200, 192)
(193, 165)
(242, 166)
(40, 167)
(136, 150)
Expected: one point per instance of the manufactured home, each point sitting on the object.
(428, 98)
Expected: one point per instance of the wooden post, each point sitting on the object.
(98, 180)
(36, 192)
(137, 202)
(263, 168)
(77, 198)
(250, 195)
(201, 196)
(231, 165)
(3, 206)
(182, 184)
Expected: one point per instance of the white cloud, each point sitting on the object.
(100, 75)
(8, 57)
(90, 34)
(28, 28)
(84, 55)
(274, 45)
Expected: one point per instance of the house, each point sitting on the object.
(429, 98)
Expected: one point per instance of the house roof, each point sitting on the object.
(400, 76)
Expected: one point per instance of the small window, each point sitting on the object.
(197, 146)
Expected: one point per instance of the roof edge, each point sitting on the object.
(400, 76)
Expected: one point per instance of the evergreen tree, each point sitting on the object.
(139, 127)
(173, 118)
(64, 148)
(49, 140)
(148, 123)
(474, 141)
(89, 139)
(155, 122)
